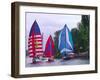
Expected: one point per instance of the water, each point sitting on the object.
(57, 62)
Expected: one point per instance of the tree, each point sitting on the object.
(56, 38)
(85, 20)
(75, 35)
(81, 35)
(84, 32)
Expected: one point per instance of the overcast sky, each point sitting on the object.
(50, 23)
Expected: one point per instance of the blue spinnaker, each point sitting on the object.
(65, 44)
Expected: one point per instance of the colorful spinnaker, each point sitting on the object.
(35, 41)
(65, 44)
(49, 48)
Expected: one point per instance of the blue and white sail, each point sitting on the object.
(65, 44)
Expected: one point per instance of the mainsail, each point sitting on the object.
(49, 48)
(35, 41)
(65, 44)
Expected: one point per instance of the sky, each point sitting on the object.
(50, 23)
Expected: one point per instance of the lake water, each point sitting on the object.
(57, 62)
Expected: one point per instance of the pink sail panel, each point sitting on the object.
(38, 45)
(49, 48)
(31, 46)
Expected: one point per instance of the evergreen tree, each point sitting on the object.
(81, 35)
(56, 38)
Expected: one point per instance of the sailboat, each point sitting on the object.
(65, 44)
(49, 49)
(35, 48)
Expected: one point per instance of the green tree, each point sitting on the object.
(56, 38)
(84, 32)
(75, 35)
(81, 35)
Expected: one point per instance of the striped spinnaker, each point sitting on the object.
(35, 40)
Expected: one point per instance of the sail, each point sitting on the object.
(65, 44)
(35, 41)
(49, 48)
